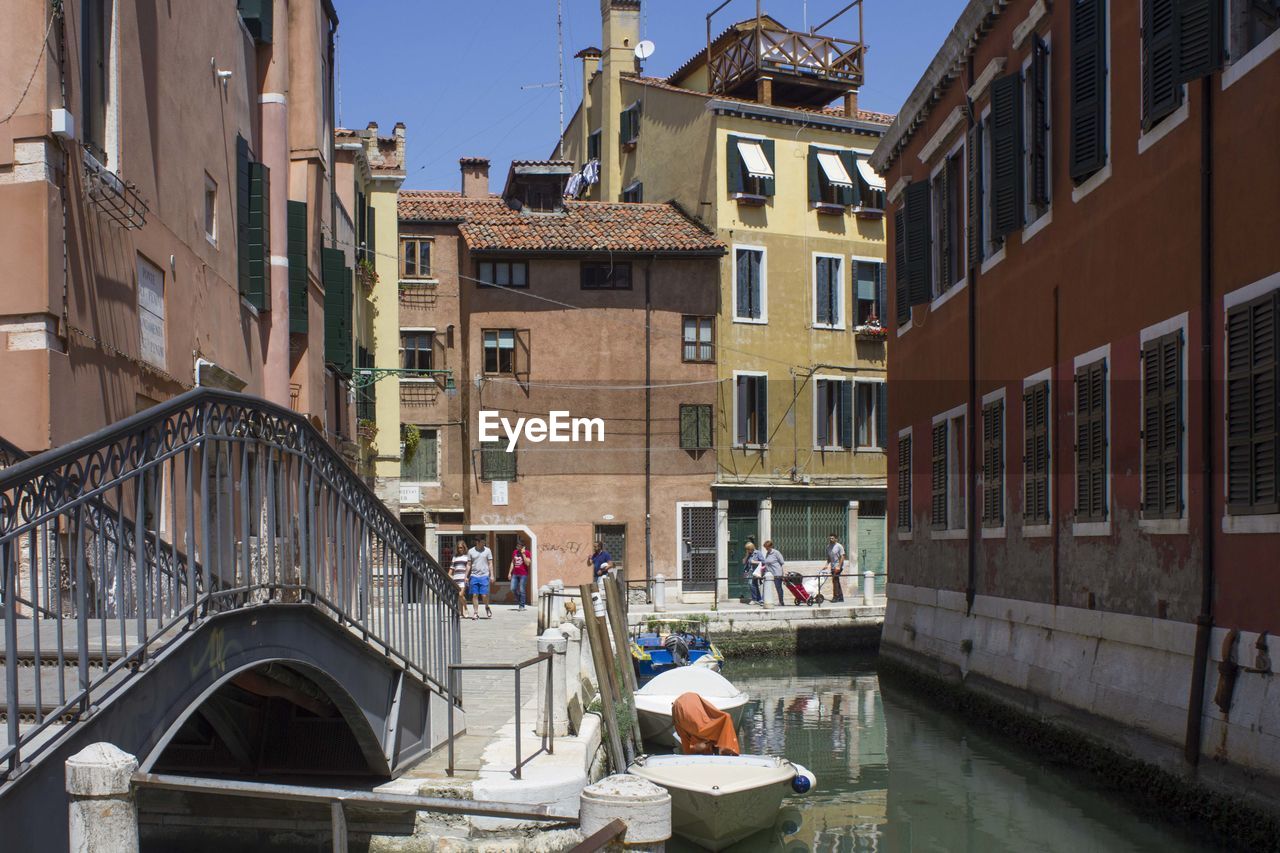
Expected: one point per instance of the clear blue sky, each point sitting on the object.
(453, 71)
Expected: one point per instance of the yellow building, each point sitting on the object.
(744, 137)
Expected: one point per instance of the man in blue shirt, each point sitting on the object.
(600, 561)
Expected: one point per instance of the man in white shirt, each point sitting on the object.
(480, 559)
(835, 563)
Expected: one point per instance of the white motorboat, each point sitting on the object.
(654, 700)
(718, 800)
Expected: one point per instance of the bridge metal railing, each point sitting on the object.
(237, 503)
(548, 736)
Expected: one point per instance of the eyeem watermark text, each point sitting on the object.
(559, 428)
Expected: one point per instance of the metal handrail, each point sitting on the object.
(95, 538)
(548, 735)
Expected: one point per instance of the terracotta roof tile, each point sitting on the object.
(488, 224)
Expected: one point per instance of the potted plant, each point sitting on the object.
(366, 429)
(367, 274)
(409, 438)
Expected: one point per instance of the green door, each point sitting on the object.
(743, 526)
(871, 540)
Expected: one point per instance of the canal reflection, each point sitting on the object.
(897, 775)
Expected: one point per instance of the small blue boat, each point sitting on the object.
(654, 650)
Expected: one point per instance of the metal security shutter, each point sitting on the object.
(1253, 406)
(1035, 506)
(993, 464)
(337, 309)
(1006, 154)
(904, 482)
(1198, 38)
(698, 548)
(298, 301)
(1161, 93)
(1091, 442)
(871, 537)
(938, 506)
(800, 528)
(1039, 108)
(1162, 427)
(919, 240)
(1088, 88)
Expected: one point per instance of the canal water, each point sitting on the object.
(897, 775)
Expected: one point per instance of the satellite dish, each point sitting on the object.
(644, 49)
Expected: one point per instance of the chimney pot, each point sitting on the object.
(475, 177)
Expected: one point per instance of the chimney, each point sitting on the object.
(620, 22)
(398, 134)
(371, 143)
(475, 177)
(590, 57)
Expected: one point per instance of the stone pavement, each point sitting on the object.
(488, 696)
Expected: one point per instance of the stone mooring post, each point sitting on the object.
(553, 641)
(659, 593)
(868, 587)
(101, 811)
(643, 806)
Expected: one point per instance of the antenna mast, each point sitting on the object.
(560, 61)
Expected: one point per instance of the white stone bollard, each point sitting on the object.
(553, 641)
(868, 587)
(557, 602)
(572, 659)
(643, 806)
(659, 594)
(102, 814)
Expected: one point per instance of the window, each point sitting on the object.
(833, 414)
(947, 238)
(1088, 132)
(633, 193)
(1035, 168)
(1161, 91)
(830, 178)
(904, 482)
(912, 250)
(869, 284)
(695, 426)
(1253, 406)
(948, 476)
(210, 209)
(1162, 427)
(496, 462)
(751, 409)
(870, 191)
(614, 539)
(698, 339)
(1006, 204)
(828, 292)
(1091, 441)
(1250, 24)
(593, 145)
(1036, 444)
(366, 392)
(423, 466)
(749, 285)
(871, 414)
(415, 257)
(500, 351)
(94, 75)
(993, 463)
(416, 348)
(630, 121)
(151, 338)
(503, 273)
(606, 276)
(750, 166)
(991, 242)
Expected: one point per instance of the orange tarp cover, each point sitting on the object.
(701, 724)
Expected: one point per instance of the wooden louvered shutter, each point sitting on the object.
(882, 294)
(1088, 88)
(938, 513)
(901, 290)
(846, 413)
(943, 210)
(762, 410)
(258, 246)
(337, 309)
(733, 165)
(973, 151)
(299, 302)
(743, 412)
(1006, 154)
(822, 392)
(919, 240)
(1091, 442)
(882, 414)
(852, 194)
(1253, 406)
(825, 292)
(243, 193)
(1161, 93)
(904, 482)
(1162, 427)
(815, 176)
(993, 464)
(766, 184)
(1197, 38)
(1035, 508)
(1039, 176)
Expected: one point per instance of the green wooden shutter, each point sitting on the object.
(1162, 427)
(1198, 38)
(704, 427)
(938, 514)
(1088, 88)
(945, 274)
(852, 194)
(1035, 400)
(993, 464)
(882, 294)
(1039, 176)
(904, 482)
(337, 310)
(1091, 442)
(902, 292)
(762, 409)
(1161, 92)
(766, 184)
(733, 165)
(258, 16)
(919, 238)
(689, 427)
(243, 181)
(846, 413)
(973, 152)
(1253, 406)
(593, 145)
(299, 302)
(258, 247)
(815, 176)
(882, 414)
(1006, 154)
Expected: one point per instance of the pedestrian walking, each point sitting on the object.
(751, 572)
(835, 562)
(459, 568)
(600, 560)
(480, 560)
(521, 559)
(772, 566)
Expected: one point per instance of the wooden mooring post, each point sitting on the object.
(618, 622)
(602, 658)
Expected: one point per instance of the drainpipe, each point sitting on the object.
(971, 421)
(1054, 402)
(1204, 622)
(648, 421)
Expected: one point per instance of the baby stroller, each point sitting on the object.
(796, 585)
